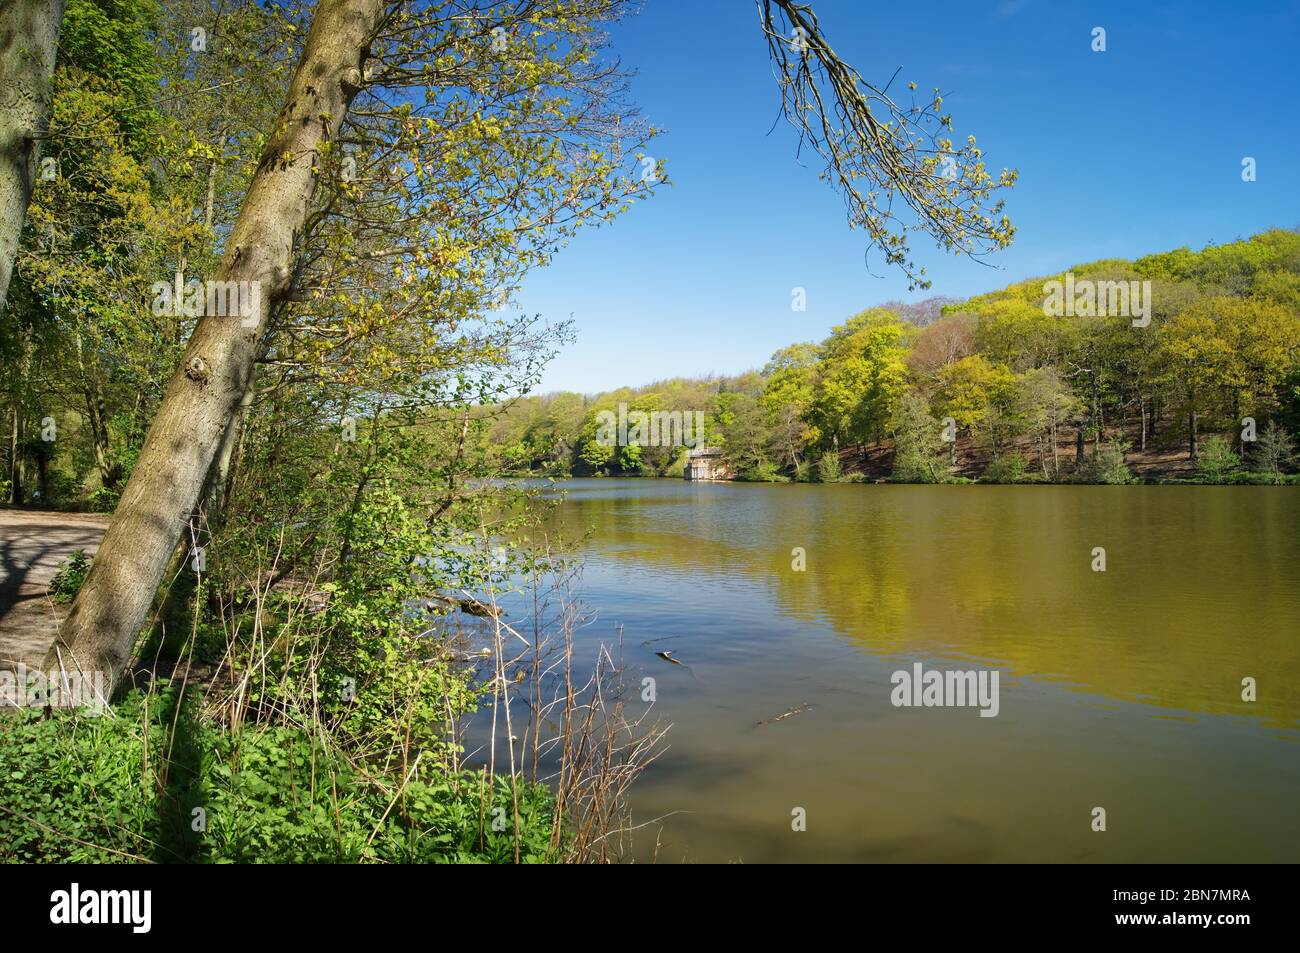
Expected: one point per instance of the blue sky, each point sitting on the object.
(1122, 153)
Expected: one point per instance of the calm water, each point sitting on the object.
(1119, 689)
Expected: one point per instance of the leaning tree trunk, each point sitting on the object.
(216, 368)
(29, 36)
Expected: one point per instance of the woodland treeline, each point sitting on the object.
(1026, 394)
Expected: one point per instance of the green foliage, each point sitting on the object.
(629, 459)
(110, 41)
(828, 468)
(1216, 461)
(764, 472)
(73, 792)
(861, 376)
(1008, 468)
(1274, 451)
(68, 577)
(1109, 466)
(918, 442)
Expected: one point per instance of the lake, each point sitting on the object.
(1119, 689)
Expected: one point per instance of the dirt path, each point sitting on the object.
(32, 543)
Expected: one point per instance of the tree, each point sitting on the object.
(745, 434)
(1274, 451)
(1264, 338)
(594, 452)
(1197, 358)
(29, 36)
(103, 226)
(99, 632)
(918, 440)
(1217, 460)
(1044, 400)
(974, 393)
(788, 396)
(941, 343)
(1110, 465)
(862, 376)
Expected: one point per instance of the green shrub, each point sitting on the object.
(103, 500)
(68, 577)
(1273, 453)
(73, 792)
(1215, 460)
(765, 472)
(828, 468)
(1008, 468)
(911, 467)
(1254, 478)
(1111, 467)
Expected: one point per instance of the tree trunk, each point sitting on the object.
(15, 468)
(221, 474)
(1056, 448)
(1191, 434)
(43, 478)
(217, 366)
(210, 201)
(110, 472)
(29, 36)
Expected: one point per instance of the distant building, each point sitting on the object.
(705, 463)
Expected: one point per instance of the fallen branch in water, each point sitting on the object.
(784, 715)
(468, 606)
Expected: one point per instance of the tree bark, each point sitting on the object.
(29, 36)
(1056, 460)
(15, 465)
(221, 473)
(217, 366)
(110, 472)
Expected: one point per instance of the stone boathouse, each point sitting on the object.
(705, 463)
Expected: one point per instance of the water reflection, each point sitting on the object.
(1120, 688)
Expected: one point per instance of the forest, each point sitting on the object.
(1028, 395)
